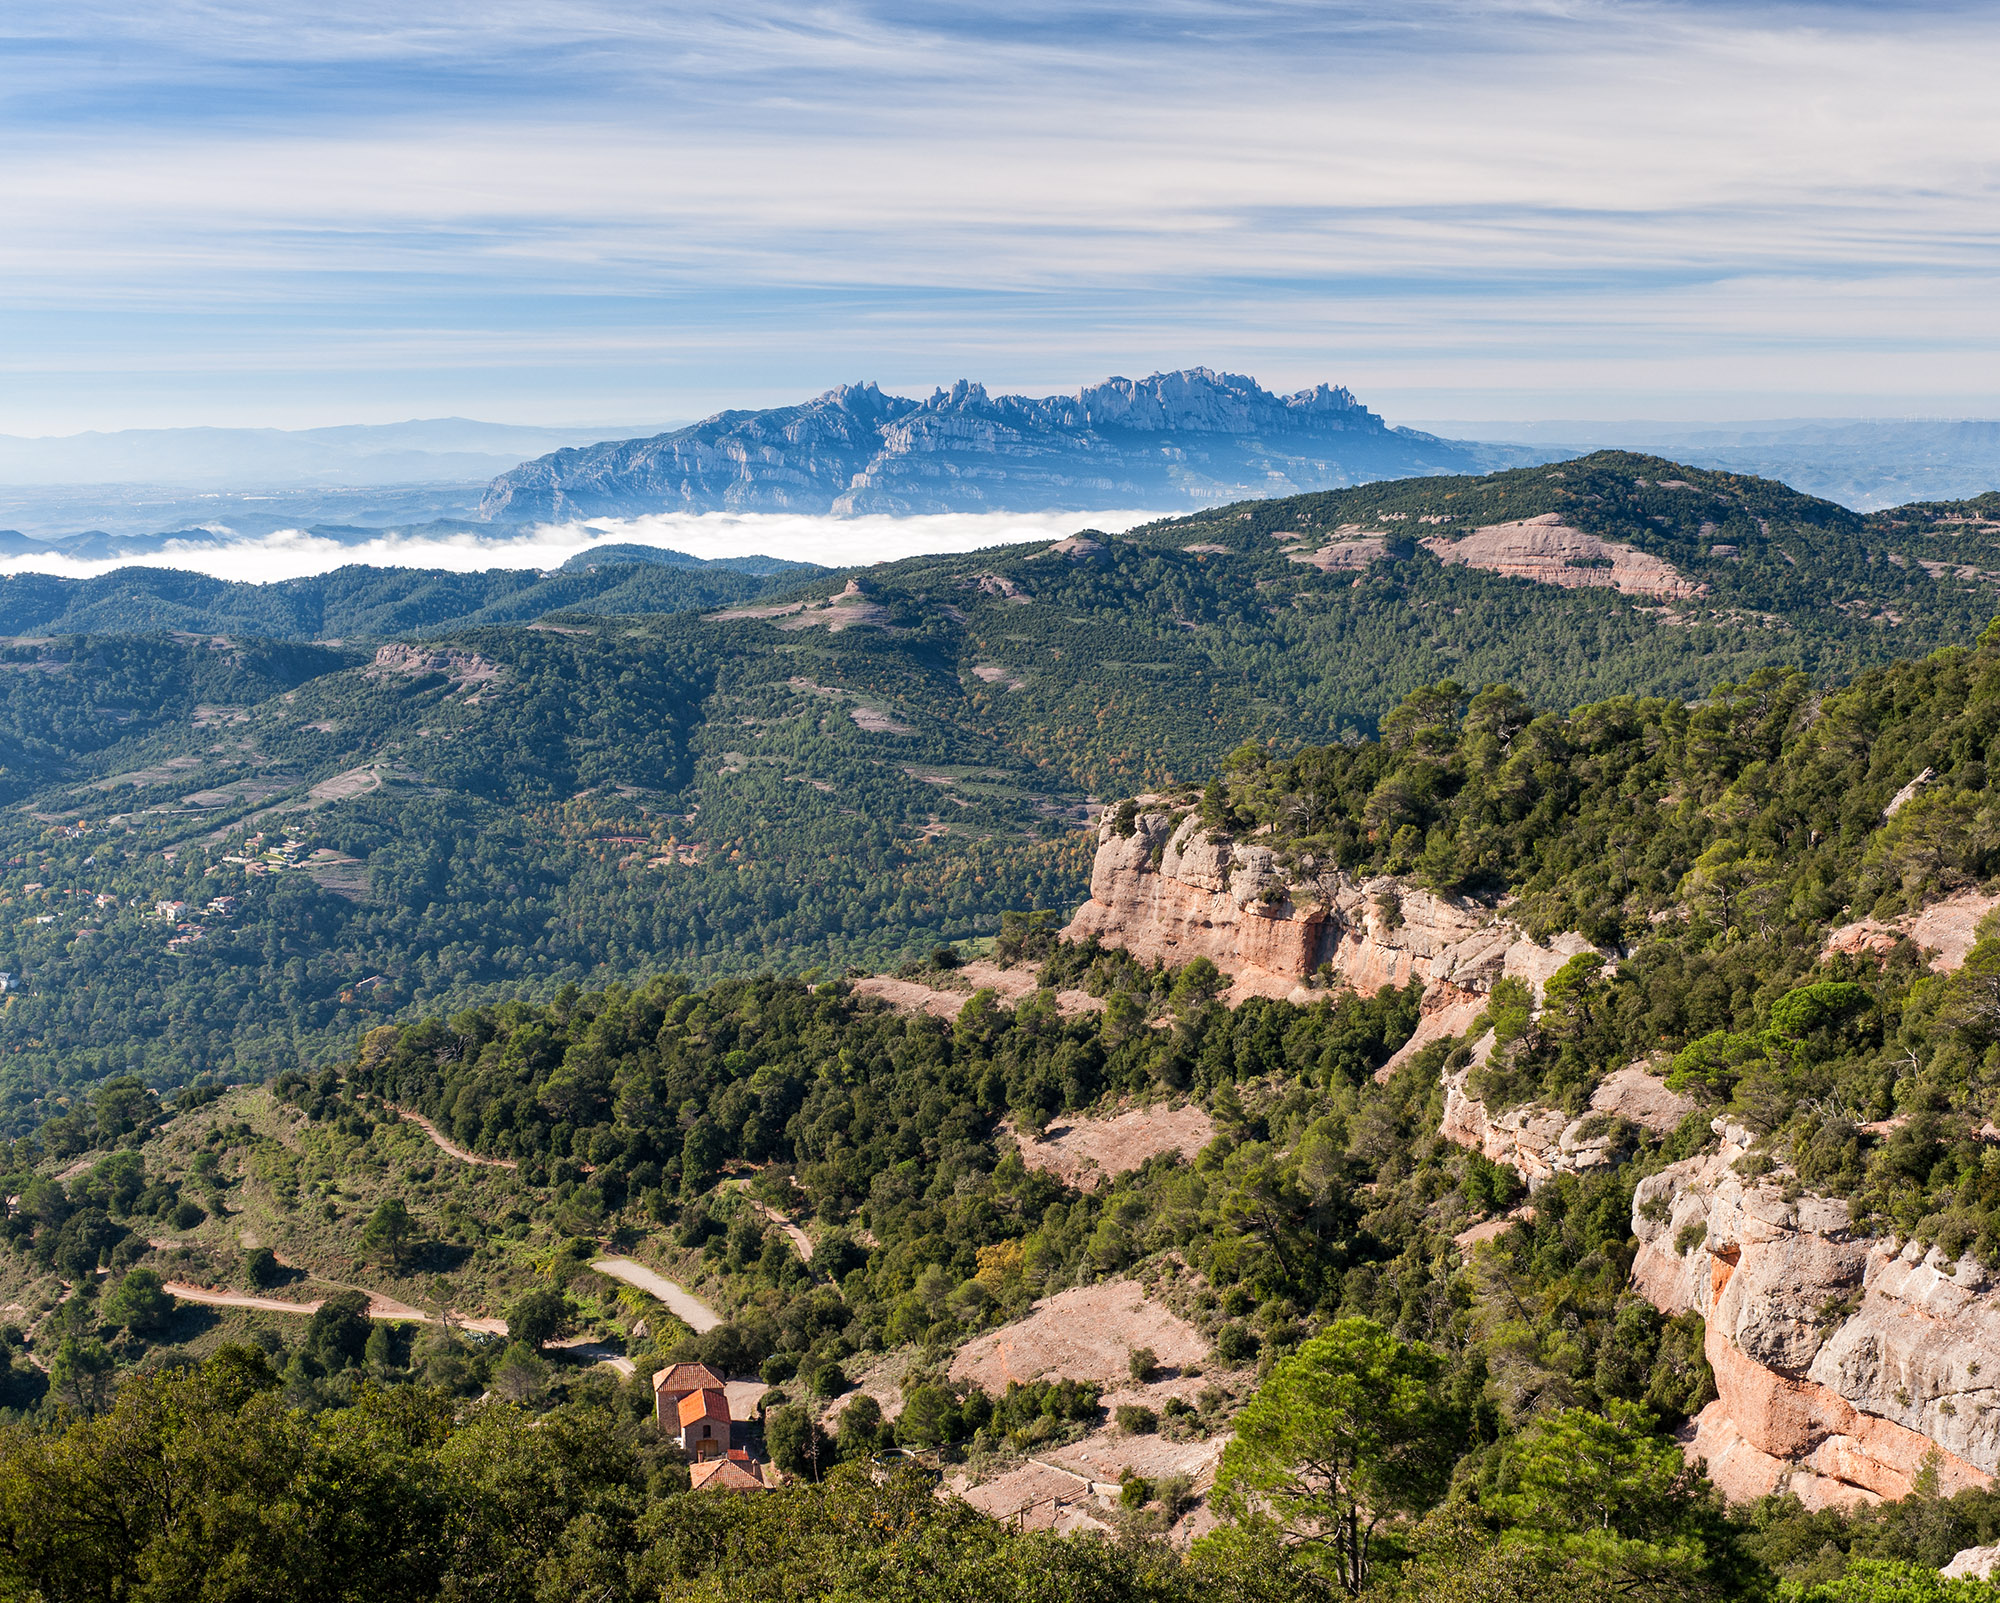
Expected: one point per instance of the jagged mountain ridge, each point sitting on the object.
(1189, 438)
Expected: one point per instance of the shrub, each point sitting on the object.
(1236, 1343)
(140, 1303)
(798, 1446)
(1135, 1419)
(1144, 1364)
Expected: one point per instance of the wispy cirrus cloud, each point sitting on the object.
(653, 209)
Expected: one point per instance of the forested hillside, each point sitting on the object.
(364, 603)
(811, 776)
(1509, 1411)
(850, 1188)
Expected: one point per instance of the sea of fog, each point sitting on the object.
(832, 542)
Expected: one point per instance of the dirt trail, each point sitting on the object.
(379, 1306)
(682, 1303)
(797, 1236)
(236, 1299)
(594, 1352)
(452, 1147)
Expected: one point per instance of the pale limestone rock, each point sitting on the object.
(1542, 1142)
(1948, 928)
(1231, 902)
(1549, 551)
(1832, 1401)
(1972, 1564)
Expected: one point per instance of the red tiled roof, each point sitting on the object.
(680, 1379)
(708, 1403)
(725, 1474)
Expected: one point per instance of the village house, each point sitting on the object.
(732, 1474)
(673, 1383)
(703, 1424)
(692, 1406)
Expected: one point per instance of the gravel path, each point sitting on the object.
(236, 1299)
(798, 1237)
(453, 1147)
(684, 1305)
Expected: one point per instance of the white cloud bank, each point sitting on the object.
(831, 542)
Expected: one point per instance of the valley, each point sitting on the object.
(1009, 1019)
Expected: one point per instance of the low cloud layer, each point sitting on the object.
(831, 542)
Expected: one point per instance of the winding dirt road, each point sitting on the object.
(682, 1303)
(379, 1306)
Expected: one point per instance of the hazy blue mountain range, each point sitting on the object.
(1175, 440)
(421, 451)
(122, 489)
(59, 514)
(1864, 463)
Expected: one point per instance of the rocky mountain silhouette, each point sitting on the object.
(1175, 440)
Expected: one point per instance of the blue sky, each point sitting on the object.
(237, 214)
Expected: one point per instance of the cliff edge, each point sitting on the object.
(1165, 887)
(1841, 1361)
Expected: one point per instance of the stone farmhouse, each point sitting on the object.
(692, 1406)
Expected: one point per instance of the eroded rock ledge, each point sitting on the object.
(1173, 891)
(1540, 1142)
(1840, 1360)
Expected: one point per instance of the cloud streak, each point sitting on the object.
(694, 206)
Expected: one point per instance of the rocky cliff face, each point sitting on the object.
(1548, 551)
(1539, 1143)
(1840, 1361)
(1192, 438)
(1173, 891)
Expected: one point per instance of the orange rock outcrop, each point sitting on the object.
(1842, 1362)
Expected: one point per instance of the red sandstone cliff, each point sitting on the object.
(1172, 890)
(1840, 1360)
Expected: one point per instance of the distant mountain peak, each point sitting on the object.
(1185, 439)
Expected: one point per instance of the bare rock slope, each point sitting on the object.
(1173, 890)
(1840, 1361)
